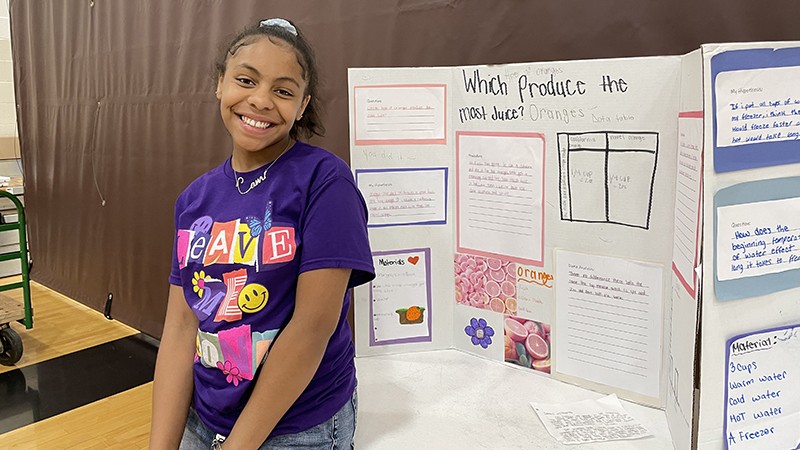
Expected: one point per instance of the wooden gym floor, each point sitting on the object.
(83, 381)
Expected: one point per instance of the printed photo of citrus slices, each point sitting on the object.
(542, 365)
(527, 343)
(486, 283)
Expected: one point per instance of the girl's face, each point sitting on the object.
(261, 96)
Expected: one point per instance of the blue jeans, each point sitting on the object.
(334, 434)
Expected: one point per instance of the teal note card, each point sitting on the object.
(757, 238)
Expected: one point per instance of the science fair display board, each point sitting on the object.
(749, 394)
(552, 216)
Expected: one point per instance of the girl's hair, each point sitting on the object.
(284, 33)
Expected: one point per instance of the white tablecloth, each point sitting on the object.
(451, 400)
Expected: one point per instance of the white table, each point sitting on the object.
(451, 400)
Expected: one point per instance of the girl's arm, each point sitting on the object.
(294, 358)
(174, 383)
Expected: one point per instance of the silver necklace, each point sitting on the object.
(262, 177)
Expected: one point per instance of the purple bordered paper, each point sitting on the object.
(427, 256)
(762, 153)
(368, 198)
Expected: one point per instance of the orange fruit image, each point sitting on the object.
(511, 306)
(413, 313)
(542, 365)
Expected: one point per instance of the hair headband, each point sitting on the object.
(280, 23)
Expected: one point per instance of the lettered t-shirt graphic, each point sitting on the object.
(238, 258)
(253, 244)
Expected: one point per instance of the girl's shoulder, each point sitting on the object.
(321, 164)
(209, 181)
(318, 156)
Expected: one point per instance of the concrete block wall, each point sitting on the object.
(9, 145)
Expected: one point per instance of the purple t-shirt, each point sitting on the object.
(238, 257)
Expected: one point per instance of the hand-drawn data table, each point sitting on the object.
(607, 176)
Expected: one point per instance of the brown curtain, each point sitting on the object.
(117, 112)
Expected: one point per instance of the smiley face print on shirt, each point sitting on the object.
(253, 298)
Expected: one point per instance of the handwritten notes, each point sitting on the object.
(755, 223)
(589, 421)
(535, 293)
(400, 114)
(762, 404)
(608, 321)
(687, 198)
(758, 105)
(607, 177)
(405, 196)
(758, 238)
(400, 297)
(500, 195)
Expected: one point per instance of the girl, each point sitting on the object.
(256, 348)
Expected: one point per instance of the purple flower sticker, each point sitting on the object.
(232, 372)
(480, 332)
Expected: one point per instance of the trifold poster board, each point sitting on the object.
(750, 344)
(554, 216)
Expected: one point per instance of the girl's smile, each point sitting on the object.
(255, 123)
(262, 94)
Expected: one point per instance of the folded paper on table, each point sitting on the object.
(590, 421)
